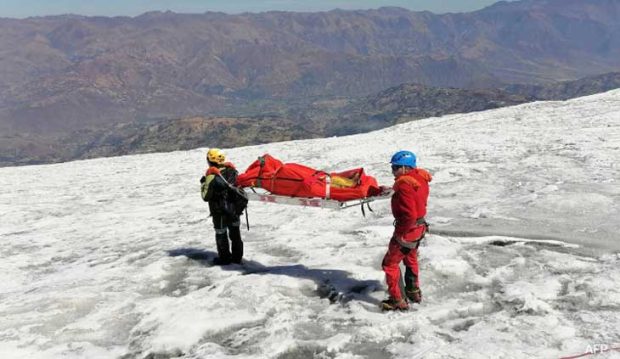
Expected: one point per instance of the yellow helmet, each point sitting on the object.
(215, 155)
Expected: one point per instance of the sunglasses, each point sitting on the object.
(395, 167)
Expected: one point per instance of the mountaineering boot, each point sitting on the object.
(394, 304)
(414, 295)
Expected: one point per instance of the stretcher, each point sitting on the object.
(259, 194)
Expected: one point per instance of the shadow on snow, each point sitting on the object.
(336, 285)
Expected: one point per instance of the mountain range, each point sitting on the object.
(62, 75)
(66, 72)
(280, 122)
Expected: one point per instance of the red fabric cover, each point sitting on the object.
(295, 180)
(409, 203)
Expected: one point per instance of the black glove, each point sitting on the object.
(203, 179)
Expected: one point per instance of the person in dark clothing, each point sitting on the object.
(215, 190)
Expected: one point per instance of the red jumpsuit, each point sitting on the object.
(409, 208)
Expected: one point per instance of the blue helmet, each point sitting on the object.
(404, 158)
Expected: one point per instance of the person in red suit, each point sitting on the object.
(411, 190)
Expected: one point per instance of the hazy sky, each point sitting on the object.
(25, 8)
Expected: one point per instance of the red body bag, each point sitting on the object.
(295, 180)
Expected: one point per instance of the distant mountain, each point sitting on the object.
(161, 136)
(413, 101)
(318, 119)
(568, 89)
(65, 73)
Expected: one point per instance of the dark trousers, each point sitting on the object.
(227, 238)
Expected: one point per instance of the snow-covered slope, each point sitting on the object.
(108, 258)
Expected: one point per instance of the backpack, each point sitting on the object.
(236, 201)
